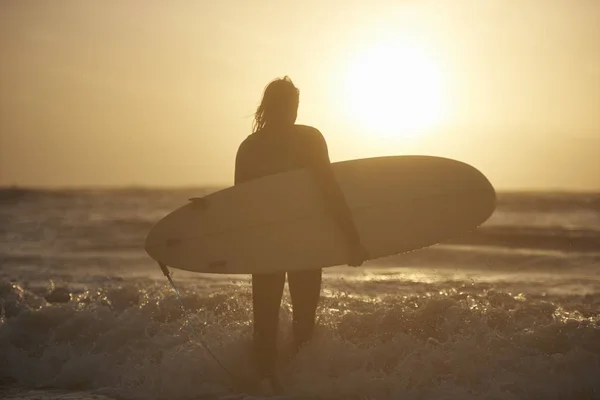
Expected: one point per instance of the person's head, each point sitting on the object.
(279, 105)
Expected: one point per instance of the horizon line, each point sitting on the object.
(141, 187)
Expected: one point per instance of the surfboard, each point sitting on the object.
(279, 222)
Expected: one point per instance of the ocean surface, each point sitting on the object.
(510, 311)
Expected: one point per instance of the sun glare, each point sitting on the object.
(394, 90)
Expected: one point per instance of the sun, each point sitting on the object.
(394, 90)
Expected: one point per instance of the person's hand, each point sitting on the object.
(357, 254)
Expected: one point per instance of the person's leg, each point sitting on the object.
(305, 290)
(267, 290)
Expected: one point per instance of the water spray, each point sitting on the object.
(166, 272)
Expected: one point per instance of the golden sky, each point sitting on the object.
(160, 93)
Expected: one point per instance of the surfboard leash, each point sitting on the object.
(166, 272)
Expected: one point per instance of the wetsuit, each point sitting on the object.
(271, 151)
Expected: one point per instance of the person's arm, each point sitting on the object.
(241, 173)
(335, 202)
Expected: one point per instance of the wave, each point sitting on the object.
(18, 193)
(79, 220)
(513, 237)
(10, 195)
(128, 234)
(576, 240)
(507, 200)
(469, 342)
(548, 201)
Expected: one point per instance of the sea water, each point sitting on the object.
(511, 311)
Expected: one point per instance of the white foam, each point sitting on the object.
(448, 343)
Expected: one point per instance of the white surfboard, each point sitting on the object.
(279, 222)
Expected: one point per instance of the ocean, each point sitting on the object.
(510, 311)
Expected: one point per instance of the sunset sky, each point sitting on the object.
(161, 93)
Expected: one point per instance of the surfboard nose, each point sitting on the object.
(474, 189)
(485, 194)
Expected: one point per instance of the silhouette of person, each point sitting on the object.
(277, 145)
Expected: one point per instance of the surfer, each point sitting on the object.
(277, 145)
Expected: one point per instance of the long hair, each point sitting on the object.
(279, 103)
